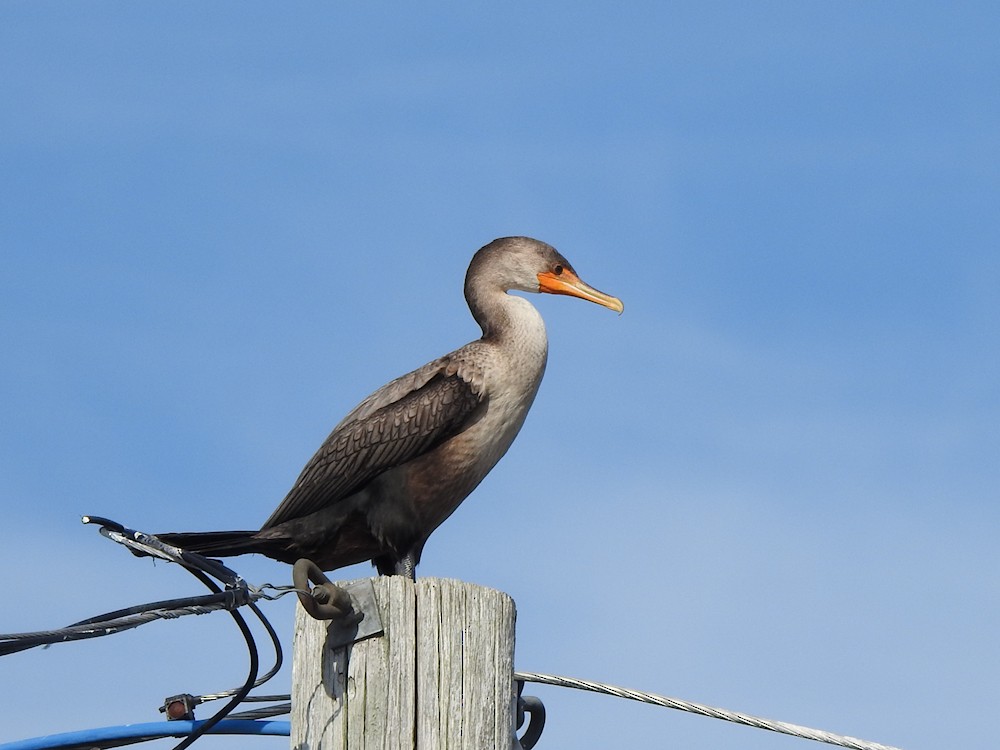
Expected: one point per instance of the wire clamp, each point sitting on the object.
(180, 707)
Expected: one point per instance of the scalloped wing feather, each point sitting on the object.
(399, 422)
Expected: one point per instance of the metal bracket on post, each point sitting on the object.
(350, 607)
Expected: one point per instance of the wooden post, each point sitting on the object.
(440, 676)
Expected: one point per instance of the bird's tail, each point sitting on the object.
(216, 543)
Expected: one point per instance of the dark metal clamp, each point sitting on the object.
(536, 710)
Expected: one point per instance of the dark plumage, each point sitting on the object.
(401, 462)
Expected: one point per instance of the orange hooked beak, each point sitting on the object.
(569, 283)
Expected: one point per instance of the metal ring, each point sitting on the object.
(325, 601)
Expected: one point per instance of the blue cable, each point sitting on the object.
(95, 738)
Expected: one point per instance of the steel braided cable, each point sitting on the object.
(125, 619)
(696, 708)
(14, 642)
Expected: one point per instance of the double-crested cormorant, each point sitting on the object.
(399, 464)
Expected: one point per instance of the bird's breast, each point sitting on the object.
(510, 373)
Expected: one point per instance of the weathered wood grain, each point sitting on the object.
(440, 677)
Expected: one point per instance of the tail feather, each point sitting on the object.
(216, 543)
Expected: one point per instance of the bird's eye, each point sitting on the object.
(557, 270)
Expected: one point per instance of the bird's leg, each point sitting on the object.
(407, 566)
(389, 565)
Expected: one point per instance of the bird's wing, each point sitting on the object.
(396, 424)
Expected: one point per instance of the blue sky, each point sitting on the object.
(771, 485)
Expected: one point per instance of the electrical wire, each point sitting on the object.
(262, 713)
(206, 725)
(696, 708)
(101, 738)
(117, 621)
(236, 594)
(278, 661)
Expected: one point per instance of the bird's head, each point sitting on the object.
(529, 265)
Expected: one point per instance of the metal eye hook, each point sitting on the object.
(324, 601)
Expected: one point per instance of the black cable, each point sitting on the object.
(112, 622)
(235, 595)
(278, 661)
(279, 656)
(188, 601)
(15, 642)
(267, 698)
(251, 677)
(264, 713)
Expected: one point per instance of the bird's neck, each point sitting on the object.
(507, 318)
